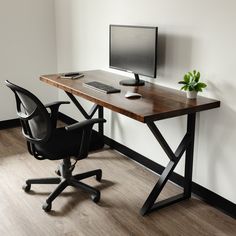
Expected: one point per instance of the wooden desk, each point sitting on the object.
(157, 103)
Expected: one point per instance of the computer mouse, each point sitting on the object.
(132, 95)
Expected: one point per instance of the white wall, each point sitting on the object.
(27, 49)
(192, 35)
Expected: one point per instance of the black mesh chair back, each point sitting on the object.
(32, 113)
(34, 117)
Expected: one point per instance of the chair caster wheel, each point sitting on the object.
(96, 197)
(26, 187)
(47, 207)
(99, 176)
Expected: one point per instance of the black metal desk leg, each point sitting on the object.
(187, 144)
(189, 156)
(100, 125)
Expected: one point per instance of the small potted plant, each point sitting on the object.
(191, 84)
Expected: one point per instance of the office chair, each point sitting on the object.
(45, 141)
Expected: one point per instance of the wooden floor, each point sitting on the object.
(124, 188)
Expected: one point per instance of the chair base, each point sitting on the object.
(65, 180)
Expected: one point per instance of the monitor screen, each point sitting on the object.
(134, 49)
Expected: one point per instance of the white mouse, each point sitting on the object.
(132, 95)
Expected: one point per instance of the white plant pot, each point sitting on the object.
(191, 94)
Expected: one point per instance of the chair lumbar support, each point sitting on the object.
(66, 179)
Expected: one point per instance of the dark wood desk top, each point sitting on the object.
(157, 102)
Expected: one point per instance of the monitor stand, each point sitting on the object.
(132, 82)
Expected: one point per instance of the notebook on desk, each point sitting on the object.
(71, 75)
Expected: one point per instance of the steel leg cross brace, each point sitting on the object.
(91, 113)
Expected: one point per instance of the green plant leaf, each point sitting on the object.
(191, 88)
(197, 76)
(182, 82)
(185, 87)
(192, 83)
(194, 72)
(190, 73)
(186, 78)
(202, 85)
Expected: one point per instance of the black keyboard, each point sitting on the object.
(101, 87)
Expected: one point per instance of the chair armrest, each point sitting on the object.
(85, 127)
(84, 124)
(54, 108)
(56, 104)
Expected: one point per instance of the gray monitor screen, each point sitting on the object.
(134, 48)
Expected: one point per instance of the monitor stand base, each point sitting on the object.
(132, 82)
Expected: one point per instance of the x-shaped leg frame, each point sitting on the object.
(186, 145)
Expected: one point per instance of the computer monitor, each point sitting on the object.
(133, 49)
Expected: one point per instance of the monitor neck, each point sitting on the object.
(138, 82)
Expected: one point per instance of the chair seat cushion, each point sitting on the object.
(65, 144)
